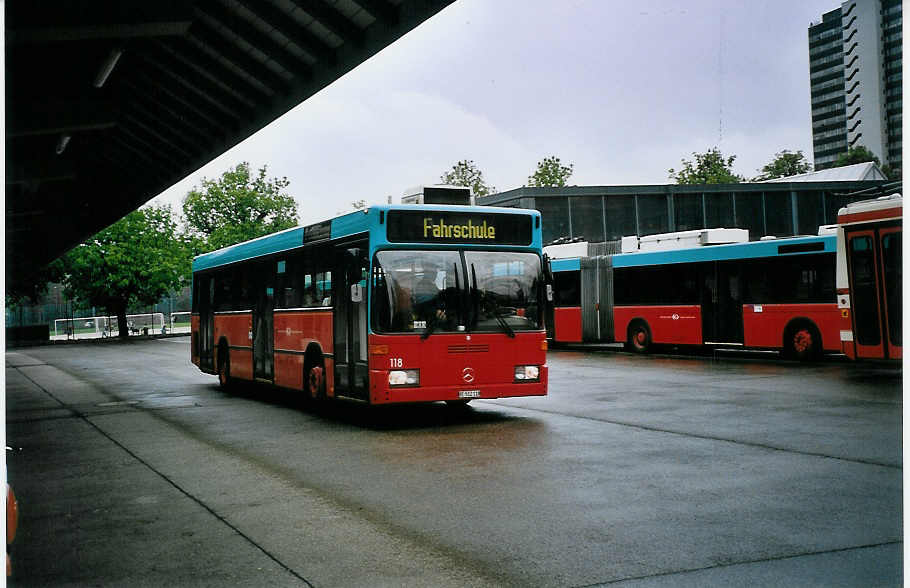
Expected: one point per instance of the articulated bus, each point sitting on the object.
(702, 287)
(392, 304)
(869, 278)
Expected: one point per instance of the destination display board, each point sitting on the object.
(419, 226)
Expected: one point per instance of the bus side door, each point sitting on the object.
(351, 372)
(263, 333)
(875, 290)
(206, 294)
(721, 305)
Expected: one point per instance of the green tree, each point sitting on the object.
(709, 168)
(858, 154)
(137, 260)
(30, 288)
(785, 164)
(237, 207)
(550, 173)
(465, 173)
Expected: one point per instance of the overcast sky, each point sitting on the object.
(622, 90)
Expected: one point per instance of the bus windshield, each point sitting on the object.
(456, 291)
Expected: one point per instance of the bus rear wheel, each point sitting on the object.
(639, 337)
(802, 342)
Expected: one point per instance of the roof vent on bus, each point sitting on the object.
(768, 238)
(827, 230)
(438, 194)
(685, 239)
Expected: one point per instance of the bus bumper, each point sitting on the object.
(382, 393)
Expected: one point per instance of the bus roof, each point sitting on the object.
(882, 208)
(353, 223)
(751, 250)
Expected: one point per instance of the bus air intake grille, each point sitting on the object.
(469, 348)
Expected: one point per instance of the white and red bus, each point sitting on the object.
(869, 278)
(395, 303)
(702, 287)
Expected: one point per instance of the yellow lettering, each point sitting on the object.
(440, 230)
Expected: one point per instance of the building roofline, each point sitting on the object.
(643, 189)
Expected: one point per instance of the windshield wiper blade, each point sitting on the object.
(503, 323)
(431, 326)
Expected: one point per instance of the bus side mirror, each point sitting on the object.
(547, 269)
(356, 292)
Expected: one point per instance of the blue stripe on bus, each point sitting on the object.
(751, 250)
(565, 265)
(288, 239)
(352, 224)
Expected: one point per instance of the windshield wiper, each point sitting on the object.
(502, 322)
(431, 326)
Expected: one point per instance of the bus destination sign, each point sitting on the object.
(418, 226)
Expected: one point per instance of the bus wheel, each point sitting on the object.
(802, 342)
(315, 382)
(639, 337)
(224, 368)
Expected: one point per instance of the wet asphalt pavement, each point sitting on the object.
(133, 468)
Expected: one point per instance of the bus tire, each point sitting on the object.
(314, 379)
(638, 337)
(224, 367)
(802, 341)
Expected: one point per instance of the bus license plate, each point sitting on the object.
(469, 393)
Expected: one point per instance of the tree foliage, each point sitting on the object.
(137, 260)
(785, 164)
(237, 207)
(465, 173)
(710, 167)
(858, 154)
(32, 287)
(550, 173)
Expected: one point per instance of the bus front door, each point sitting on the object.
(875, 291)
(722, 307)
(351, 372)
(206, 295)
(263, 333)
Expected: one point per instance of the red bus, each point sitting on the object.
(869, 275)
(395, 303)
(683, 289)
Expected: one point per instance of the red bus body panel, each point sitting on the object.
(567, 324)
(235, 328)
(451, 363)
(764, 324)
(678, 324)
(294, 331)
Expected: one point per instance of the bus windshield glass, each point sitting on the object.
(456, 291)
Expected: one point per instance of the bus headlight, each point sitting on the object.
(404, 377)
(527, 373)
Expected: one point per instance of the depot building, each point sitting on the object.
(796, 205)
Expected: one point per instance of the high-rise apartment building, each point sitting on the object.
(855, 73)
